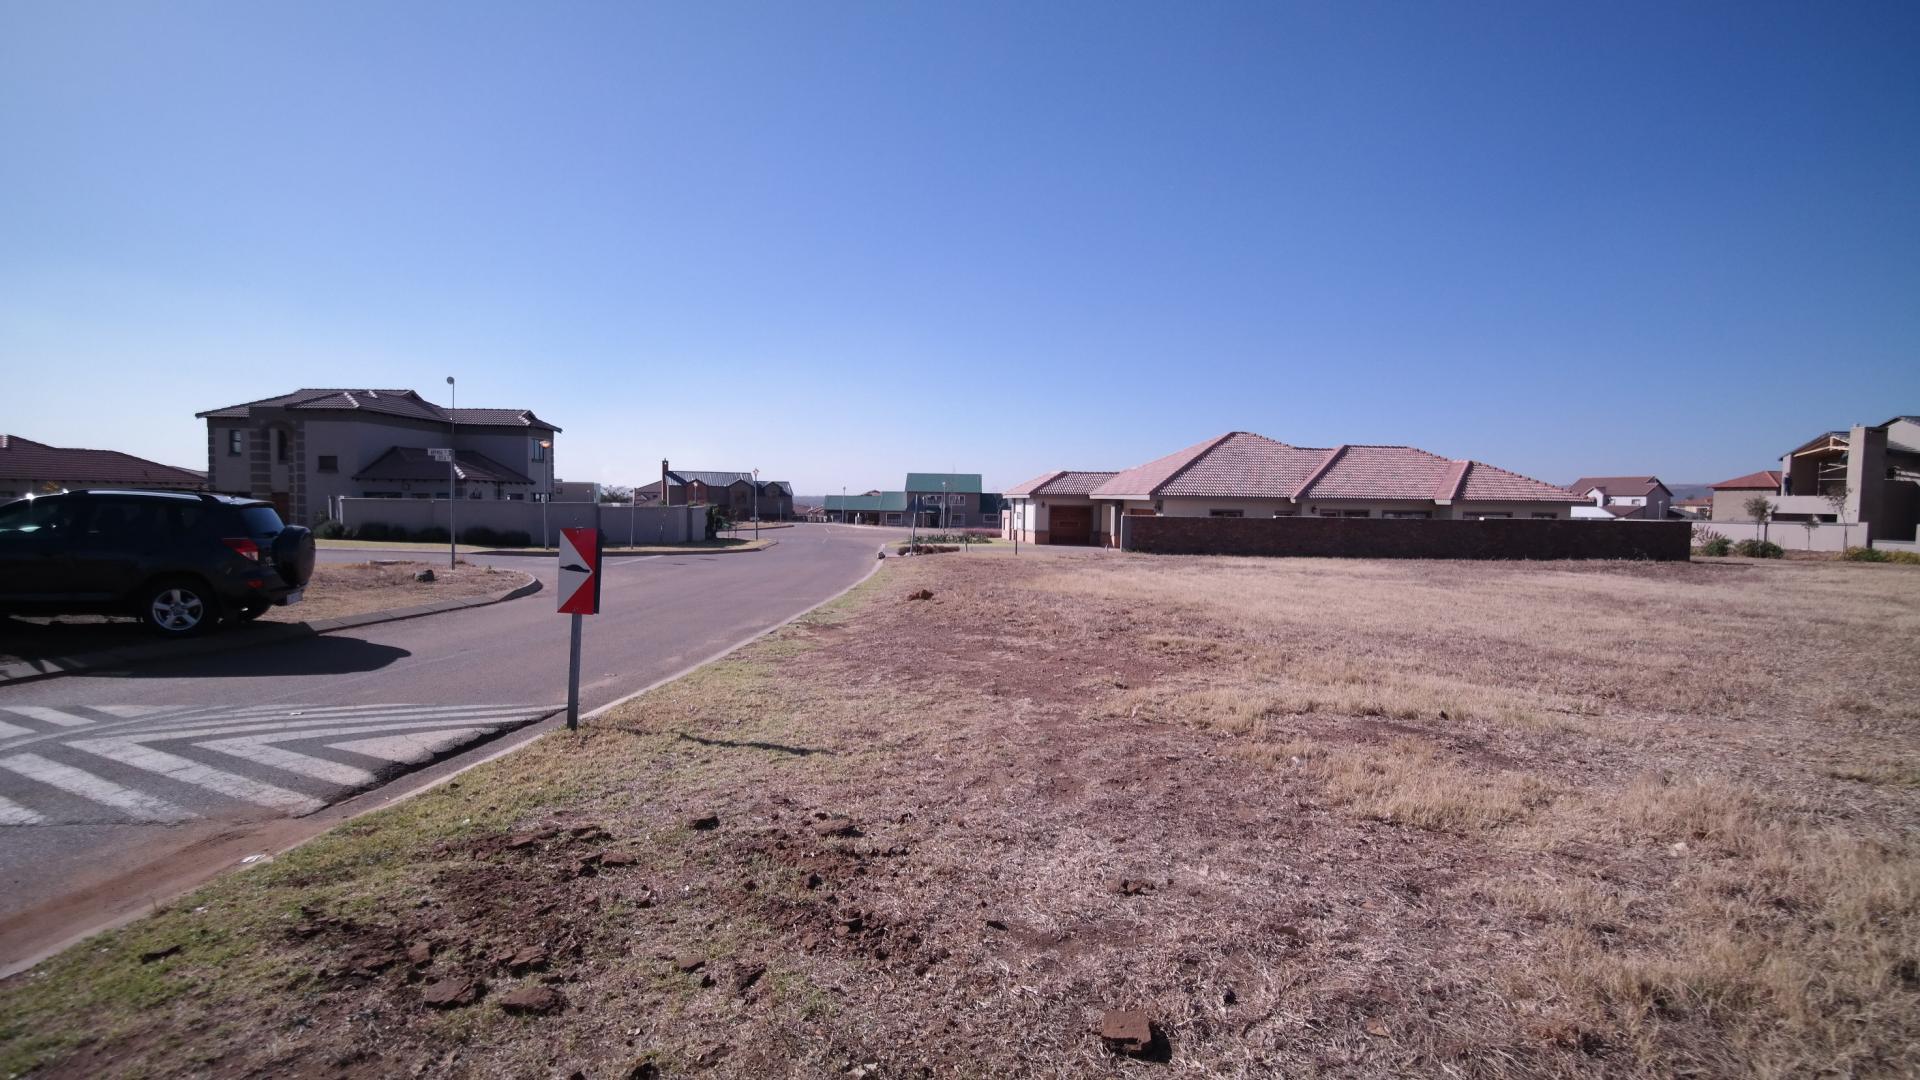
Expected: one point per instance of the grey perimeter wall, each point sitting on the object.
(1389, 538)
(622, 524)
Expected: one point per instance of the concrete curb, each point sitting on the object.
(261, 634)
(522, 553)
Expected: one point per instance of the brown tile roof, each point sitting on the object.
(1062, 482)
(24, 459)
(403, 403)
(1242, 465)
(1764, 480)
(1142, 481)
(1617, 486)
(414, 463)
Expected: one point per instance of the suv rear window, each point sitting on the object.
(261, 520)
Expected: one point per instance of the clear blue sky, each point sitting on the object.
(841, 240)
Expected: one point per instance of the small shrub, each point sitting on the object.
(486, 536)
(329, 530)
(1759, 549)
(432, 534)
(1718, 546)
(1861, 554)
(1905, 558)
(377, 530)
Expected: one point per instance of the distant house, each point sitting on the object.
(871, 508)
(929, 500)
(1613, 497)
(305, 449)
(737, 492)
(1730, 496)
(34, 468)
(1241, 474)
(952, 501)
(1699, 508)
(587, 491)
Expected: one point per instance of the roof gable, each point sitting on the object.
(933, 481)
(1764, 480)
(1619, 486)
(1242, 465)
(26, 459)
(406, 404)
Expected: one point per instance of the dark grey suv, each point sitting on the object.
(181, 562)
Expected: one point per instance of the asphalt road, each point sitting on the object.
(97, 770)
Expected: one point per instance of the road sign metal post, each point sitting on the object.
(446, 454)
(580, 554)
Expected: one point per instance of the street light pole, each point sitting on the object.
(453, 485)
(546, 537)
(756, 504)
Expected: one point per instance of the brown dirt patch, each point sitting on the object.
(339, 589)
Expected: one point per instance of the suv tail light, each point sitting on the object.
(243, 547)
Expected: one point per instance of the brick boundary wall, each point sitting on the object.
(1394, 538)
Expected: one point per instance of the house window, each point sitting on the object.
(1286, 513)
(236, 442)
(1488, 517)
(1406, 513)
(539, 450)
(329, 463)
(1225, 513)
(956, 519)
(1538, 516)
(279, 446)
(1326, 512)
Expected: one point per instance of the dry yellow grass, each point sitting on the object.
(1735, 910)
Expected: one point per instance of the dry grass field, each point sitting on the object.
(1312, 817)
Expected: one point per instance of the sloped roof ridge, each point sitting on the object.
(1184, 467)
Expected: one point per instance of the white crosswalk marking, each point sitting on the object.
(12, 813)
(197, 760)
(137, 804)
(411, 749)
(133, 712)
(48, 715)
(188, 771)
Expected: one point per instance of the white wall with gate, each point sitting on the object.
(622, 524)
(1791, 535)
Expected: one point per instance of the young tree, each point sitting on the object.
(1809, 525)
(1759, 508)
(614, 493)
(1837, 498)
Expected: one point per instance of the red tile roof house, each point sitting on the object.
(305, 449)
(1642, 498)
(1241, 474)
(33, 468)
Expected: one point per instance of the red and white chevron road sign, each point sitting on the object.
(579, 571)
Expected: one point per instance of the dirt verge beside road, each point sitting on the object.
(1250, 816)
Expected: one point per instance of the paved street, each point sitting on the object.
(95, 770)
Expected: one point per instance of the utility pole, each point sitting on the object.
(756, 504)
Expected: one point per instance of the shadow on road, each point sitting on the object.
(326, 654)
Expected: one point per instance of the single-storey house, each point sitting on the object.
(1241, 474)
(1056, 508)
(1642, 498)
(34, 468)
(738, 492)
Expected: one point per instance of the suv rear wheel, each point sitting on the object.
(178, 607)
